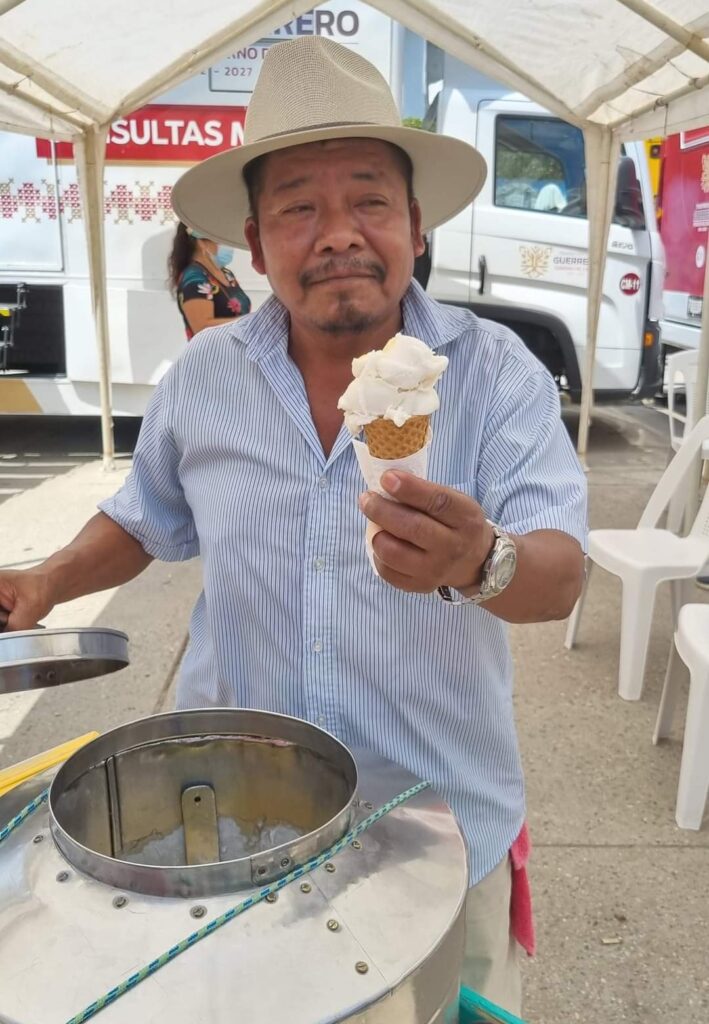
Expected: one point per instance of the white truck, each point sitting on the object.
(518, 255)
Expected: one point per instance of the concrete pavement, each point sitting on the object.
(153, 610)
(621, 894)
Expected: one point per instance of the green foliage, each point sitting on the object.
(537, 166)
(417, 122)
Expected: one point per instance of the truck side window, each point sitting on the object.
(539, 165)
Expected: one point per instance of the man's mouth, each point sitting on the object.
(345, 275)
(330, 271)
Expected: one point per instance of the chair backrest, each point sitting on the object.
(677, 475)
(682, 366)
(700, 526)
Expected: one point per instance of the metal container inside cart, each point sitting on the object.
(157, 828)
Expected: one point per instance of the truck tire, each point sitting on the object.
(545, 336)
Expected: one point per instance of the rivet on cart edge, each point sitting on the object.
(38, 838)
(333, 925)
(119, 901)
(198, 911)
(272, 897)
(361, 967)
(330, 867)
(62, 876)
(306, 887)
(356, 845)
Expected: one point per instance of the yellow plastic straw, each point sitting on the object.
(17, 773)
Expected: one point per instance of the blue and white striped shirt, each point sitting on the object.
(292, 619)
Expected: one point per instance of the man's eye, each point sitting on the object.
(298, 208)
(372, 201)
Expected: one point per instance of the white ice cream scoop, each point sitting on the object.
(395, 383)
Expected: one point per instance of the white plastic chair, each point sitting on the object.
(692, 644)
(681, 367)
(646, 556)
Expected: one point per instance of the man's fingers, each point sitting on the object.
(18, 608)
(447, 506)
(398, 579)
(399, 555)
(406, 523)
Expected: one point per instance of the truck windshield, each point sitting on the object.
(539, 165)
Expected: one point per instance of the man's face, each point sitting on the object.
(336, 233)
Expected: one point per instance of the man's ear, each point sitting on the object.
(416, 236)
(254, 242)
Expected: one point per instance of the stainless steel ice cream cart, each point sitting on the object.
(217, 865)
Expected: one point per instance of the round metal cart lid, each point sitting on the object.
(34, 659)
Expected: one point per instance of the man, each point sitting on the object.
(243, 458)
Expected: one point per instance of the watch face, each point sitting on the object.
(504, 570)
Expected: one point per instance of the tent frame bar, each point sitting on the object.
(16, 61)
(689, 40)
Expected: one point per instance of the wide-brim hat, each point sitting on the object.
(310, 90)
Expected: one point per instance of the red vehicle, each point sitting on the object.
(683, 213)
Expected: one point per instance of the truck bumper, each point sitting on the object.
(650, 377)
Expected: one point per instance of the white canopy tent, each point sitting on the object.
(619, 69)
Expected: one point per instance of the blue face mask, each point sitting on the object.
(224, 255)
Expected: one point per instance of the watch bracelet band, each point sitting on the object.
(445, 592)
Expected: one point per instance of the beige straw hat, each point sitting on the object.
(311, 89)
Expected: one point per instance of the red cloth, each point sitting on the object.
(521, 916)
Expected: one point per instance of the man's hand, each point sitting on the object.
(102, 556)
(24, 599)
(433, 536)
(430, 536)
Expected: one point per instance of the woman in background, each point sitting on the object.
(207, 292)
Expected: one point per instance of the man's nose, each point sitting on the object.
(338, 231)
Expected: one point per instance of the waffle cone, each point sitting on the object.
(387, 441)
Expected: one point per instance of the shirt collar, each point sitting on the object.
(431, 321)
(434, 323)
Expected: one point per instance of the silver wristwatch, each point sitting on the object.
(497, 572)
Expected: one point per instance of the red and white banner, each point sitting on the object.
(166, 134)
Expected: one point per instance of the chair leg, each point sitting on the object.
(682, 593)
(675, 677)
(635, 623)
(694, 771)
(575, 617)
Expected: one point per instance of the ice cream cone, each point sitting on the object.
(387, 441)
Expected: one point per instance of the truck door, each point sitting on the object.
(529, 257)
(31, 337)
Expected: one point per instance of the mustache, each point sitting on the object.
(334, 266)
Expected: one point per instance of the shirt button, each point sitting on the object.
(321, 720)
(323, 483)
(319, 563)
(317, 646)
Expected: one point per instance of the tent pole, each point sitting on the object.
(602, 151)
(90, 149)
(700, 398)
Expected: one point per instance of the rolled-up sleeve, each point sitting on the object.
(529, 477)
(151, 505)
